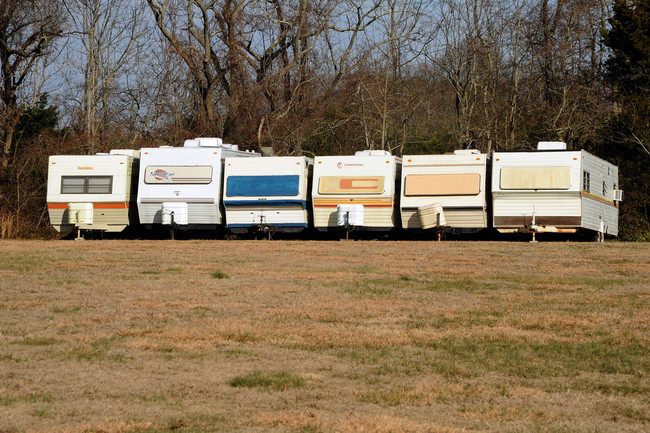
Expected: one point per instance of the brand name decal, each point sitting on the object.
(160, 174)
(351, 164)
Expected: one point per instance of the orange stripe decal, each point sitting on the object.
(95, 205)
(358, 184)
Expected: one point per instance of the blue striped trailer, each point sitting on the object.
(267, 194)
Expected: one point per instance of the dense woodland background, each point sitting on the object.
(320, 77)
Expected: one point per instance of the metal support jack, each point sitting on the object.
(172, 227)
(533, 228)
(347, 226)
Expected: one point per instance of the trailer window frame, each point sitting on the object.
(586, 181)
(443, 184)
(88, 186)
(281, 185)
(535, 178)
(156, 174)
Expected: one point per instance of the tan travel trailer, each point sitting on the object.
(356, 191)
(444, 191)
(93, 192)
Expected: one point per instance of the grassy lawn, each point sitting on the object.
(289, 336)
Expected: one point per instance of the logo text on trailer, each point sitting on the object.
(160, 174)
(351, 164)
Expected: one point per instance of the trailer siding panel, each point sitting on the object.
(521, 206)
(600, 213)
(470, 219)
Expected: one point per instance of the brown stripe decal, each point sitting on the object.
(521, 220)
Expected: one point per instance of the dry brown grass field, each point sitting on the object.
(352, 336)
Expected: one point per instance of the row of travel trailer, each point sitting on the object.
(207, 184)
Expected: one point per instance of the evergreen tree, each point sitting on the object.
(627, 136)
(36, 120)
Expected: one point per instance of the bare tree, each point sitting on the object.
(387, 97)
(260, 65)
(564, 89)
(194, 30)
(105, 51)
(28, 30)
(458, 60)
(515, 55)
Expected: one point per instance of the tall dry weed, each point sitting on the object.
(8, 224)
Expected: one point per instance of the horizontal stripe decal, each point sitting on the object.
(365, 205)
(525, 220)
(95, 205)
(265, 203)
(585, 194)
(352, 201)
(177, 200)
(359, 184)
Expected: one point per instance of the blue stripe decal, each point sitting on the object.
(271, 224)
(263, 186)
(265, 203)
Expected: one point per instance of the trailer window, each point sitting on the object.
(351, 185)
(263, 186)
(178, 174)
(536, 178)
(86, 184)
(442, 184)
(586, 180)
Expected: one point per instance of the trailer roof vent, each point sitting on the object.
(209, 142)
(372, 153)
(126, 152)
(551, 145)
(466, 152)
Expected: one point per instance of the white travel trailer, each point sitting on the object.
(444, 190)
(92, 192)
(554, 190)
(266, 194)
(355, 191)
(180, 187)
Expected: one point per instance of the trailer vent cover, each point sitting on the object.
(349, 215)
(80, 213)
(431, 215)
